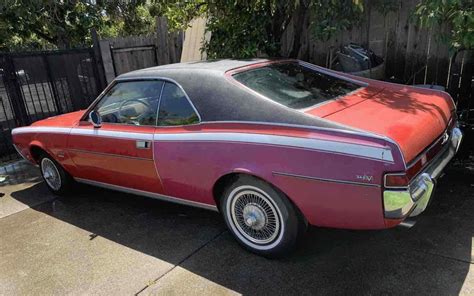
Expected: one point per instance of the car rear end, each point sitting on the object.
(408, 193)
(418, 124)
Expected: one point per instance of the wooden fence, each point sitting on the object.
(124, 54)
(412, 55)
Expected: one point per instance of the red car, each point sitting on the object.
(272, 145)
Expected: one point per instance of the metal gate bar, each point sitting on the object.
(36, 85)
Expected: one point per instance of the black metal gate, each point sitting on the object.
(36, 85)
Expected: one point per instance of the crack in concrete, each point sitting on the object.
(443, 256)
(153, 282)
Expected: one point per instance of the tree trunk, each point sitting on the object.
(300, 21)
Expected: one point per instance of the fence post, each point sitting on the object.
(53, 84)
(107, 61)
(99, 64)
(162, 40)
(13, 88)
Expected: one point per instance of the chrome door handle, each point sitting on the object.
(143, 144)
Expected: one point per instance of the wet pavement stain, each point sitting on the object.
(17, 172)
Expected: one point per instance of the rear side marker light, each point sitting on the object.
(399, 180)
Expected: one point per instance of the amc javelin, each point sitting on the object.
(273, 145)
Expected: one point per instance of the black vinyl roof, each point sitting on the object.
(211, 65)
(220, 98)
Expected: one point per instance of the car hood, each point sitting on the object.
(413, 117)
(64, 120)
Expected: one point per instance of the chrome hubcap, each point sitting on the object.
(51, 174)
(255, 216)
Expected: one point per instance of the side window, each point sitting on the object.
(133, 102)
(175, 108)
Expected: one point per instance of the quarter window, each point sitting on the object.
(133, 102)
(175, 108)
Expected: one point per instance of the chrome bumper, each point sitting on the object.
(412, 201)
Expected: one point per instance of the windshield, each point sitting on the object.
(294, 85)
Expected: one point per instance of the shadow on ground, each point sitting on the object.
(433, 257)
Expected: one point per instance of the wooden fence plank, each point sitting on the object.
(123, 54)
(162, 41)
(107, 60)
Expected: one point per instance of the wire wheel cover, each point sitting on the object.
(51, 174)
(255, 216)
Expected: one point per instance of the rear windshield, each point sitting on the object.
(294, 85)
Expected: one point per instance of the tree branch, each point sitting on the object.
(44, 36)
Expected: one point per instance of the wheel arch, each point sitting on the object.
(225, 180)
(36, 149)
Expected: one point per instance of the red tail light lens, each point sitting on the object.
(399, 180)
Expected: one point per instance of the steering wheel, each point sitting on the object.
(134, 119)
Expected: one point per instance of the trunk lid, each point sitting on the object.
(412, 117)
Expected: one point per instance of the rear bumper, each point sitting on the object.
(399, 204)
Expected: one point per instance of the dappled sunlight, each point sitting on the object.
(412, 101)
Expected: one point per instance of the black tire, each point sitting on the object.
(248, 201)
(65, 181)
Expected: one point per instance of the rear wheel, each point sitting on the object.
(56, 178)
(260, 217)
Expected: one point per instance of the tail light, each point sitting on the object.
(402, 180)
(398, 180)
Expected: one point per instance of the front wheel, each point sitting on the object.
(56, 178)
(260, 217)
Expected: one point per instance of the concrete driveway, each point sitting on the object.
(103, 242)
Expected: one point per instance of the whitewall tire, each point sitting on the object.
(260, 217)
(55, 177)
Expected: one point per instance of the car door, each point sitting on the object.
(119, 153)
(177, 168)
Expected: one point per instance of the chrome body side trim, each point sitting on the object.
(364, 151)
(159, 103)
(148, 194)
(326, 179)
(310, 127)
(356, 132)
(41, 129)
(332, 73)
(109, 154)
(375, 153)
(98, 132)
(112, 134)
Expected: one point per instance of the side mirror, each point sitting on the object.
(95, 119)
